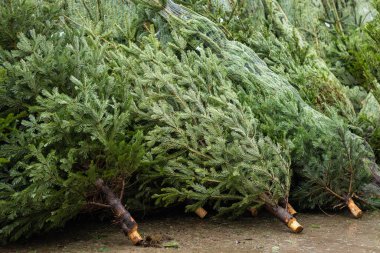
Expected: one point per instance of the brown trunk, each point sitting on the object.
(201, 212)
(355, 210)
(126, 221)
(285, 217)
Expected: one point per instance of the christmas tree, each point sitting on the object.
(203, 146)
(325, 49)
(74, 110)
(64, 122)
(332, 162)
(105, 102)
(264, 27)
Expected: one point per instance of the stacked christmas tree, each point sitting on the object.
(149, 103)
(203, 145)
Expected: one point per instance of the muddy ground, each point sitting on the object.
(322, 233)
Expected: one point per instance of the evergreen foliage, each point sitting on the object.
(347, 38)
(264, 27)
(21, 16)
(183, 108)
(326, 49)
(87, 111)
(65, 123)
(203, 146)
(332, 162)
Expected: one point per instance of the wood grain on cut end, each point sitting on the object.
(201, 212)
(295, 226)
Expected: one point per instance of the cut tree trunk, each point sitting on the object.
(285, 217)
(355, 210)
(123, 217)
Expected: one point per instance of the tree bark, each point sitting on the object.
(285, 217)
(124, 218)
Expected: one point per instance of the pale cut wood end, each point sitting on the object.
(294, 226)
(201, 212)
(354, 209)
(135, 237)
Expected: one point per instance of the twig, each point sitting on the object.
(122, 189)
(340, 206)
(320, 208)
(99, 204)
(100, 15)
(233, 12)
(335, 194)
(362, 200)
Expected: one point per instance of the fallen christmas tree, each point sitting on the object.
(59, 134)
(345, 34)
(79, 128)
(264, 27)
(327, 50)
(333, 163)
(85, 97)
(203, 146)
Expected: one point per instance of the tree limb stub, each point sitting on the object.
(124, 218)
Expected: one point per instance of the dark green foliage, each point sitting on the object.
(345, 44)
(319, 46)
(351, 48)
(287, 53)
(60, 59)
(369, 121)
(366, 63)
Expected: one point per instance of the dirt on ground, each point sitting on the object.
(338, 233)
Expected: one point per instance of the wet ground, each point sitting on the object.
(338, 233)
